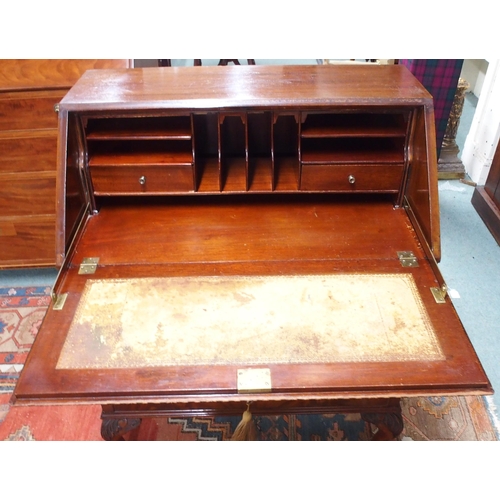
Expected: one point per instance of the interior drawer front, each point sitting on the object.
(28, 113)
(142, 180)
(29, 154)
(385, 178)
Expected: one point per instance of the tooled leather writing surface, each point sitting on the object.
(249, 320)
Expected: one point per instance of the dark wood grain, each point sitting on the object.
(257, 208)
(353, 178)
(231, 237)
(486, 199)
(488, 210)
(256, 228)
(421, 192)
(278, 87)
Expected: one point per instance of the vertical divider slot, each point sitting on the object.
(286, 151)
(233, 152)
(207, 151)
(260, 166)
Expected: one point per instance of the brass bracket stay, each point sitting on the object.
(59, 301)
(440, 294)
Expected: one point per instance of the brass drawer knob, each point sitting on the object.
(352, 179)
(142, 180)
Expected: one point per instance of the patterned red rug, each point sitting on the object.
(21, 312)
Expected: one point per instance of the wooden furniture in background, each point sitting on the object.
(245, 171)
(197, 62)
(486, 199)
(29, 90)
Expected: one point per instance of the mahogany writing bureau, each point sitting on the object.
(265, 235)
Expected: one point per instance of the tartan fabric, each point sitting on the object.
(440, 78)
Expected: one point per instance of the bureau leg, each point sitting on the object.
(389, 425)
(113, 429)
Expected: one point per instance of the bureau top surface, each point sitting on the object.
(222, 87)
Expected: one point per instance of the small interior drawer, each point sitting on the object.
(379, 178)
(142, 180)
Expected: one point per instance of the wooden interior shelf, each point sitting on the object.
(154, 128)
(131, 153)
(250, 151)
(349, 150)
(321, 125)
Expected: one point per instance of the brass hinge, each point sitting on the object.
(408, 259)
(439, 294)
(88, 265)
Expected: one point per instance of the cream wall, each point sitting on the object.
(474, 72)
(482, 140)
